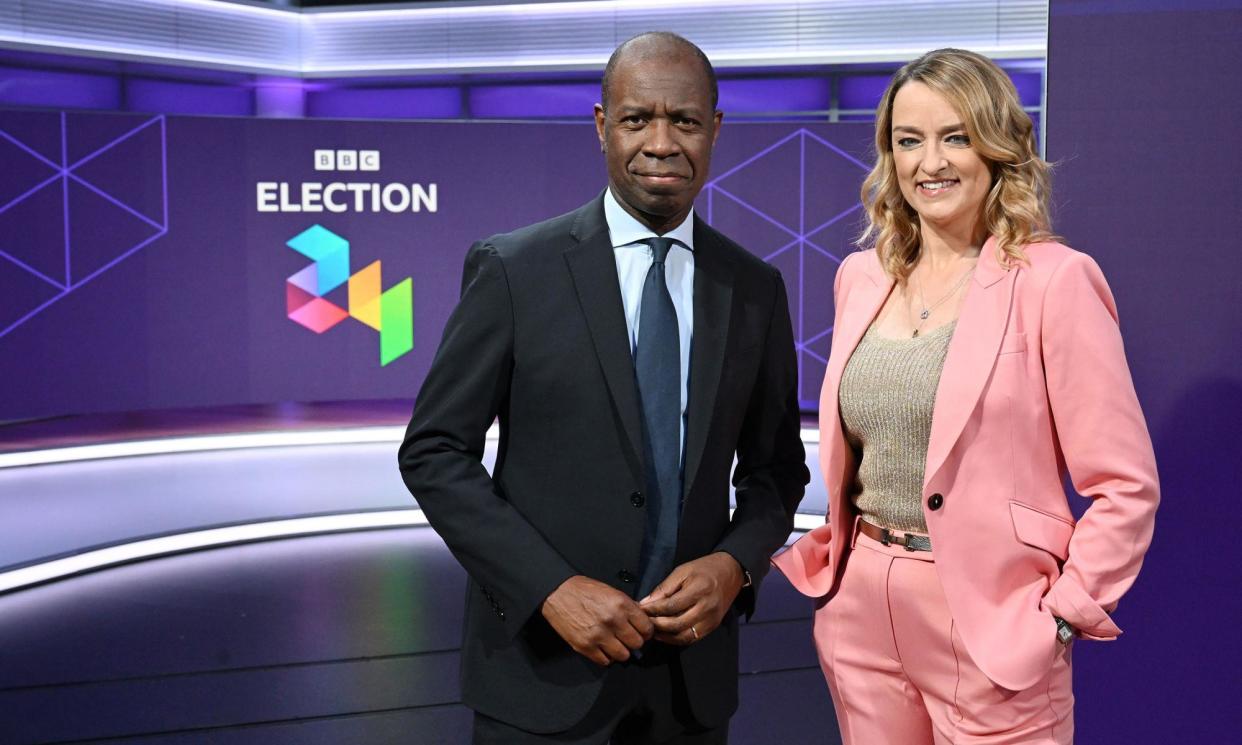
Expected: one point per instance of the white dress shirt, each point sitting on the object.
(634, 259)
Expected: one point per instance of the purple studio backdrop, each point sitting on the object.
(1143, 107)
(137, 271)
(144, 259)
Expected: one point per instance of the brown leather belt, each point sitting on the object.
(908, 541)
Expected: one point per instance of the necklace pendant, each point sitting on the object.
(915, 334)
(926, 312)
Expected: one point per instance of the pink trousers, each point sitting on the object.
(898, 671)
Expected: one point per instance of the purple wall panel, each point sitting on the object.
(571, 100)
(384, 103)
(283, 98)
(1105, 7)
(864, 91)
(1143, 105)
(52, 88)
(774, 94)
(861, 91)
(1030, 86)
(170, 288)
(169, 97)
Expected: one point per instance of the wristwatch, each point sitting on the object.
(1065, 631)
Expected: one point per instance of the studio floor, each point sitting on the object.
(279, 592)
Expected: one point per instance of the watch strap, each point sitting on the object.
(1065, 631)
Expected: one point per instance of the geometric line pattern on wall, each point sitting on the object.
(77, 244)
(390, 312)
(810, 231)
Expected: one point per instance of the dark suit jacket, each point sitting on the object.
(539, 340)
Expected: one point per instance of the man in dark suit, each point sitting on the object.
(630, 352)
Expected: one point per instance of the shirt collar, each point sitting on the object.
(625, 230)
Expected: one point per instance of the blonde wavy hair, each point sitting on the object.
(1016, 209)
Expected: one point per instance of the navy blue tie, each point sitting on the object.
(657, 364)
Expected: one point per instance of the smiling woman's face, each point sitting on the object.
(941, 176)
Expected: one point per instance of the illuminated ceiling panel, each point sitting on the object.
(417, 38)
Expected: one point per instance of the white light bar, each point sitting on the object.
(203, 443)
(239, 441)
(804, 521)
(151, 548)
(516, 36)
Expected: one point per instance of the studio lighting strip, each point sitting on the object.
(239, 441)
(208, 443)
(481, 36)
(167, 545)
(180, 543)
(151, 548)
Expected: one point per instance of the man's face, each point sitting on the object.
(657, 131)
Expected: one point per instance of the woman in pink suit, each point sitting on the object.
(974, 361)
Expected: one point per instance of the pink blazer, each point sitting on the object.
(1035, 382)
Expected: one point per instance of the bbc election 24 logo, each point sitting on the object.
(390, 312)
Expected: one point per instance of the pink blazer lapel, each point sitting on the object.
(864, 301)
(972, 354)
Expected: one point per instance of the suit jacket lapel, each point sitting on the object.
(713, 302)
(594, 271)
(972, 354)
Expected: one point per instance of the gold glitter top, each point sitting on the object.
(887, 394)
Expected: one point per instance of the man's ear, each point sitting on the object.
(600, 120)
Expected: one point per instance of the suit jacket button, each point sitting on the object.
(625, 576)
(934, 502)
(637, 499)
